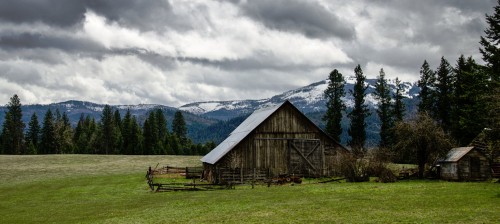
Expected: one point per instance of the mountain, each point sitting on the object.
(214, 120)
(74, 109)
(308, 99)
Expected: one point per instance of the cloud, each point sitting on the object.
(177, 52)
(306, 17)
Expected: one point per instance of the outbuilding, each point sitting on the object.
(465, 164)
(275, 141)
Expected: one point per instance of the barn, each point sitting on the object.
(274, 141)
(465, 164)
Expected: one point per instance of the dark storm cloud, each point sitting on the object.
(60, 13)
(37, 40)
(140, 14)
(309, 18)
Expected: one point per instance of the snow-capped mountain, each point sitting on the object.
(308, 99)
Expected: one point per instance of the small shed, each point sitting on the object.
(278, 140)
(465, 164)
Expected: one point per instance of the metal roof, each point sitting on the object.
(456, 154)
(239, 134)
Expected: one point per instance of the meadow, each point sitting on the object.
(113, 189)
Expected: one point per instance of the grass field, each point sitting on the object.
(112, 189)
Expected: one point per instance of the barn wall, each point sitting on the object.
(267, 146)
(461, 170)
(449, 171)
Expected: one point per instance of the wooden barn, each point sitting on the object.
(465, 164)
(274, 141)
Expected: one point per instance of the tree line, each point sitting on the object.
(456, 104)
(113, 134)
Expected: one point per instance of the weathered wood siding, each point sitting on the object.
(268, 146)
(472, 166)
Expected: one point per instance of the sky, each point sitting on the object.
(182, 51)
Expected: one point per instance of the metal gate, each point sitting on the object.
(305, 157)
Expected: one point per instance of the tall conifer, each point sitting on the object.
(334, 106)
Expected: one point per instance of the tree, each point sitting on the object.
(382, 93)
(359, 113)
(6, 137)
(48, 138)
(64, 134)
(469, 100)
(423, 140)
(14, 127)
(490, 45)
(491, 55)
(427, 89)
(33, 135)
(399, 106)
(109, 131)
(334, 106)
(151, 135)
(444, 93)
(179, 127)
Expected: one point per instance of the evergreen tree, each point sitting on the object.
(117, 122)
(427, 89)
(179, 127)
(491, 55)
(359, 113)
(128, 148)
(79, 136)
(108, 135)
(399, 106)
(334, 106)
(136, 137)
(149, 138)
(6, 137)
(161, 124)
(14, 127)
(383, 96)
(470, 87)
(48, 138)
(490, 45)
(64, 134)
(444, 94)
(33, 135)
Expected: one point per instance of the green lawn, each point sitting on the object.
(112, 189)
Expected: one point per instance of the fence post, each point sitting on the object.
(253, 178)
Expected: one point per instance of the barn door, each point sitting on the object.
(475, 167)
(305, 157)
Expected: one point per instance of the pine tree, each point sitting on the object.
(136, 137)
(161, 124)
(48, 138)
(383, 96)
(33, 135)
(444, 94)
(427, 86)
(14, 140)
(179, 127)
(6, 135)
(470, 87)
(128, 148)
(334, 106)
(399, 106)
(117, 123)
(64, 134)
(490, 45)
(491, 55)
(149, 138)
(108, 136)
(359, 113)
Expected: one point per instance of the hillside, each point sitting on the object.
(214, 120)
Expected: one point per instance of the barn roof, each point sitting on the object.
(239, 134)
(456, 154)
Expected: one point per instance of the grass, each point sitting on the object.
(112, 189)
